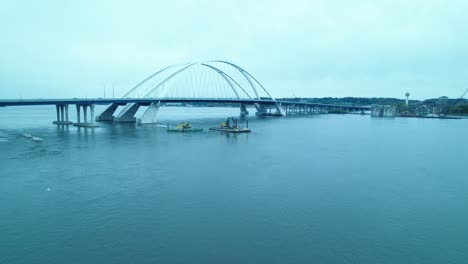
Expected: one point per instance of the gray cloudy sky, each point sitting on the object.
(303, 48)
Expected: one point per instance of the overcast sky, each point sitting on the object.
(303, 48)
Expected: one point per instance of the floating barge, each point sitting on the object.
(230, 126)
(184, 128)
(231, 130)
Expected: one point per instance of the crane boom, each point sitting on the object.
(461, 97)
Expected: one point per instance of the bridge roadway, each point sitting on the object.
(148, 101)
(264, 107)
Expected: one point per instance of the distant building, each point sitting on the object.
(443, 100)
(383, 111)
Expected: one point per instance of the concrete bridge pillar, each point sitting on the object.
(92, 113)
(85, 113)
(62, 115)
(66, 114)
(279, 110)
(150, 115)
(85, 122)
(57, 107)
(266, 109)
(127, 115)
(78, 117)
(108, 114)
(243, 110)
(261, 110)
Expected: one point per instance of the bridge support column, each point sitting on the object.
(62, 115)
(243, 110)
(265, 110)
(108, 114)
(149, 117)
(127, 115)
(261, 110)
(85, 122)
(85, 114)
(279, 110)
(92, 113)
(78, 117)
(66, 115)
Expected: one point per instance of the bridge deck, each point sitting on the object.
(147, 101)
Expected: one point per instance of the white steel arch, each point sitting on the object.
(177, 71)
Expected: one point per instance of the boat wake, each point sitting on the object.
(3, 136)
(37, 139)
(27, 135)
(33, 138)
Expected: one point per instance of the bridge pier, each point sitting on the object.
(149, 117)
(287, 109)
(127, 115)
(243, 110)
(85, 122)
(261, 110)
(265, 110)
(62, 115)
(280, 110)
(108, 114)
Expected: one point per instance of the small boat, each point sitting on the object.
(231, 126)
(184, 127)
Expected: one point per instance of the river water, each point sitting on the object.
(316, 189)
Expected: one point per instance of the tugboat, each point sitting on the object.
(231, 126)
(184, 127)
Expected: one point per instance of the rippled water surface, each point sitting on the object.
(318, 189)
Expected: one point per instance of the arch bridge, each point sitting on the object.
(200, 82)
(209, 82)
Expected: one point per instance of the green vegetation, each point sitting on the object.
(459, 109)
(436, 105)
